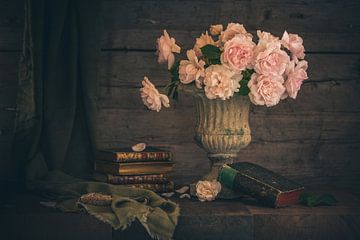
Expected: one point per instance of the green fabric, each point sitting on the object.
(56, 111)
(158, 216)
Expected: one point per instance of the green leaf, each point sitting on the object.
(327, 200)
(244, 89)
(174, 83)
(312, 200)
(211, 52)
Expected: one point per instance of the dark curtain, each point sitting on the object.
(57, 88)
(54, 139)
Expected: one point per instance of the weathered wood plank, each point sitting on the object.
(132, 24)
(144, 39)
(136, 24)
(177, 126)
(305, 162)
(11, 24)
(313, 97)
(129, 68)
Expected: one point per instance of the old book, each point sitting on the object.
(133, 168)
(266, 186)
(128, 155)
(131, 179)
(156, 187)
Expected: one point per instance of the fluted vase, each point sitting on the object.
(222, 128)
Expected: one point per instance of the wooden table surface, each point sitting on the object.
(22, 217)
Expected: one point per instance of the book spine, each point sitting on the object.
(154, 178)
(143, 156)
(237, 181)
(156, 187)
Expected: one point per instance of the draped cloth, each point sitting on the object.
(56, 112)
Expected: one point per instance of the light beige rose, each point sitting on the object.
(238, 53)
(265, 38)
(231, 30)
(295, 77)
(166, 46)
(207, 191)
(216, 29)
(272, 61)
(192, 69)
(220, 82)
(202, 41)
(266, 89)
(294, 43)
(151, 96)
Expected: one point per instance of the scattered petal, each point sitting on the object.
(185, 195)
(182, 190)
(138, 147)
(168, 195)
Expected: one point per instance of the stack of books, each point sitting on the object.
(146, 169)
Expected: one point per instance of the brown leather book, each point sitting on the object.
(266, 186)
(134, 168)
(128, 155)
(130, 179)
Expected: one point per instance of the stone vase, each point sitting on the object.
(222, 128)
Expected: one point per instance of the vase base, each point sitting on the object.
(225, 193)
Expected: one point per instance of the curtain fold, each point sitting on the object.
(58, 88)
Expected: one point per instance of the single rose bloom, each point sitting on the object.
(266, 89)
(231, 30)
(294, 43)
(272, 61)
(207, 191)
(203, 40)
(151, 96)
(238, 53)
(216, 29)
(295, 77)
(265, 38)
(220, 82)
(166, 46)
(192, 69)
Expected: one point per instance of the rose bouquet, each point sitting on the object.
(228, 62)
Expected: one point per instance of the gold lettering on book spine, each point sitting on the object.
(145, 155)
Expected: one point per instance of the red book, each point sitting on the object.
(266, 186)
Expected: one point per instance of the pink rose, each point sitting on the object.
(202, 41)
(295, 77)
(216, 29)
(266, 89)
(207, 191)
(151, 96)
(233, 29)
(166, 46)
(220, 82)
(272, 61)
(265, 38)
(238, 53)
(294, 43)
(192, 69)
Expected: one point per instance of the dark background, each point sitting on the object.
(314, 139)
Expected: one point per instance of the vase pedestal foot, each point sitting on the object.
(217, 163)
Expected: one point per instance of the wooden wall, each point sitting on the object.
(315, 138)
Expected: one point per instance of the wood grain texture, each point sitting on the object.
(325, 25)
(297, 137)
(127, 69)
